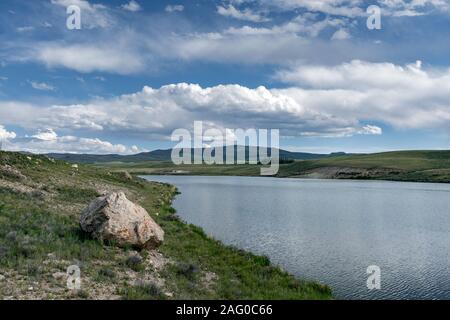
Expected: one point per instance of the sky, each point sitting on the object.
(138, 70)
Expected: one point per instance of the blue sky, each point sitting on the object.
(137, 70)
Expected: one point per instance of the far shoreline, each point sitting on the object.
(410, 166)
(188, 174)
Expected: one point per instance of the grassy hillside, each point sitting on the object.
(40, 204)
(165, 155)
(167, 167)
(424, 166)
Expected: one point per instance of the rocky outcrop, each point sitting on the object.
(115, 219)
(8, 171)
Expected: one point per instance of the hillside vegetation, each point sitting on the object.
(165, 155)
(40, 204)
(421, 166)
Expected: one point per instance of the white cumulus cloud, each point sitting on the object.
(246, 14)
(341, 34)
(46, 135)
(89, 58)
(155, 113)
(406, 97)
(347, 99)
(42, 86)
(5, 134)
(132, 6)
(47, 141)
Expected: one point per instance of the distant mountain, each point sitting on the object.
(165, 155)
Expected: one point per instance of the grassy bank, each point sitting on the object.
(420, 166)
(40, 203)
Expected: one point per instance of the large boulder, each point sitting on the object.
(114, 218)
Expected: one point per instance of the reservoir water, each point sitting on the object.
(331, 231)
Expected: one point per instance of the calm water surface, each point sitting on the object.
(331, 231)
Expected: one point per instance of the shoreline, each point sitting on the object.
(411, 166)
(137, 173)
(40, 204)
(322, 288)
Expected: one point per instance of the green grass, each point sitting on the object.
(40, 236)
(73, 193)
(28, 233)
(421, 166)
(164, 167)
(142, 291)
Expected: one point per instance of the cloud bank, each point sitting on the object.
(47, 141)
(355, 98)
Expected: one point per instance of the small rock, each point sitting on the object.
(75, 166)
(59, 275)
(11, 236)
(2, 277)
(30, 288)
(26, 240)
(157, 260)
(3, 251)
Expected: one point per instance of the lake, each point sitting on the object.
(331, 230)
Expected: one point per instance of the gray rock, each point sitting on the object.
(11, 236)
(59, 275)
(3, 252)
(115, 219)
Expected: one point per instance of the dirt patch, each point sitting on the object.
(7, 171)
(17, 187)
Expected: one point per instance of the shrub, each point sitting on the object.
(134, 262)
(187, 270)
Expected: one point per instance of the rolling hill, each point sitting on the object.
(165, 155)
